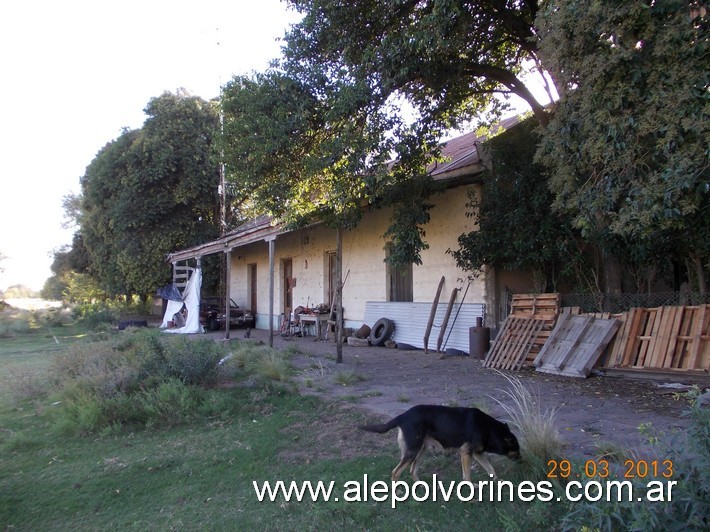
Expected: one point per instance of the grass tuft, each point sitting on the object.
(535, 423)
(347, 378)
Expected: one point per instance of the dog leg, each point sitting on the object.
(408, 456)
(414, 469)
(465, 464)
(481, 459)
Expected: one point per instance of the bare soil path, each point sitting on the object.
(592, 412)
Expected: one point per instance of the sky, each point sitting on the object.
(73, 74)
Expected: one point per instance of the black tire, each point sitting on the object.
(381, 331)
(212, 324)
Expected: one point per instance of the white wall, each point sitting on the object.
(363, 256)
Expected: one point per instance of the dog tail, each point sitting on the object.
(380, 428)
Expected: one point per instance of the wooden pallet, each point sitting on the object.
(575, 345)
(544, 307)
(513, 343)
(663, 338)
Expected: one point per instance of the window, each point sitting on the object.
(400, 284)
(330, 281)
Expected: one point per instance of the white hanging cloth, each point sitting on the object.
(191, 300)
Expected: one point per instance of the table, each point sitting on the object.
(315, 319)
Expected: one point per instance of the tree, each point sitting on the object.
(516, 228)
(151, 191)
(297, 153)
(627, 146)
(449, 58)
(448, 61)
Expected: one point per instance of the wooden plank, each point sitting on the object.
(575, 345)
(616, 348)
(573, 339)
(552, 341)
(645, 336)
(600, 338)
(535, 331)
(682, 338)
(705, 339)
(673, 338)
(631, 346)
(518, 344)
(695, 342)
(659, 343)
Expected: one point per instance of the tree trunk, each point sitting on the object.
(702, 286)
(339, 295)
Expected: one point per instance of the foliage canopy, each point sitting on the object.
(627, 148)
(149, 192)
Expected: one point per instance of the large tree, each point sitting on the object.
(516, 228)
(151, 191)
(302, 152)
(448, 58)
(627, 148)
(444, 61)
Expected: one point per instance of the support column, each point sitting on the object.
(270, 240)
(228, 293)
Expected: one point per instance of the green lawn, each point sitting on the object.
(200, 475)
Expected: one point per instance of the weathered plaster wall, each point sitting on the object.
(363, 257)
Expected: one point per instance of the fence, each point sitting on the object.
(616, 303)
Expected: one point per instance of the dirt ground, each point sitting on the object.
(593, 413)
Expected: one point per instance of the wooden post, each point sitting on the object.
(339, 295)
(227, 294)
(446, 319)
(432, 313)
(270, 240)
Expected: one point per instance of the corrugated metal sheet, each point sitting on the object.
(410, 321)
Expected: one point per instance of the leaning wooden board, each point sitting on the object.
(575, 345)
(514, 342)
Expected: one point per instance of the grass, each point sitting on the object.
(199, 475)
(348, 378)
(536, 424)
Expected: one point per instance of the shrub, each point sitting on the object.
(192, 361)
(16, 321)
(170, 403)
(139, 377)
(348, 377)
(260, 361)
(690, 507)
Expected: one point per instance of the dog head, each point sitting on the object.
(508, 443)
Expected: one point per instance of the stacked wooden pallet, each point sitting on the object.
(545, 307)
(663, 338)
(514, 343)
(525, 331)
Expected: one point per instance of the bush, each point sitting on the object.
(690, 507)
(170, 403)
(15, 321)
(139, 377)
(260, 361)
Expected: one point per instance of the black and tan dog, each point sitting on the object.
(469, 430)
